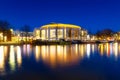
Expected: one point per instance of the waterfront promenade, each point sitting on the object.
(55, 42)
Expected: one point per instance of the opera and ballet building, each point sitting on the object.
(57, 31)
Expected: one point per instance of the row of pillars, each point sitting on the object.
(68, 33)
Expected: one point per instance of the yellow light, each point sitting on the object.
(60, 33)
(59, 50)
(37, 34)
(43, 34)
(88, 37)
(81, 50)
(76, 49)
(101, 49)
(37, 53)
(65, 53)
(60, 53)
(2, 63)
(52, 34)
(59, 25)
(108, 49)
(12, 58)
(25, 49)
(43, 52)
(5, 38)
(11, 30)
(1, 34)
(19, 57)
(5, 51)
(53, 55)
(82, 33)
(116, 49)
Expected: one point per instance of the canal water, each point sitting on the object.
(60, 62)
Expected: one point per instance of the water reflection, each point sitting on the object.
(115, 46)
(88, 50)
(112, 49)
(62, 55)
(2, 64)
(93, 48)
(27, 50)
(19, 56)
(11, 57)
(37, 53)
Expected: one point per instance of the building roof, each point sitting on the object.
(60, 25)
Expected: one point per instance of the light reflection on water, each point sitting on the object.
(19, 56)
(2, 65)
(53, 55)
(12, 58)
(111, 49)
(58, 55)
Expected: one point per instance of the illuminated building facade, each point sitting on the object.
(5, 35)
(19, 36)
(57, 31)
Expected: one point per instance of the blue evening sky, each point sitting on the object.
(92, 15)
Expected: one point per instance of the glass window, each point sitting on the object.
(43, 34)
(52, 34)
(60, 33)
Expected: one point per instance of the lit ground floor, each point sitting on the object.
(61, 33)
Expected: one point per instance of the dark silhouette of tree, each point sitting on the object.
(4, 28)
(25, 29)
(104, 34)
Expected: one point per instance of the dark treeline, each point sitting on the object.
(5, 26)
(104, 34)
(25, 29)
(5, 29)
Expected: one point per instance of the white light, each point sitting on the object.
(88, 50)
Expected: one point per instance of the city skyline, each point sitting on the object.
(92, 15)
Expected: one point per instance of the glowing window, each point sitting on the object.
(52, 33)
(43, 34)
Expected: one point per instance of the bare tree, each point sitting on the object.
(104, 34)
(25, 29)
(4, 27)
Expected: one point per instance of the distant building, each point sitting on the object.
(36, 34)
(83, 34)
(116, 36)
(19, 36)
(57, 31)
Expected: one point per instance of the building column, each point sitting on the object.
(79, 34)
(48, 33)
(63, 33)
(40, 34)
(66, 33)
(72, 34)
(56, 33)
